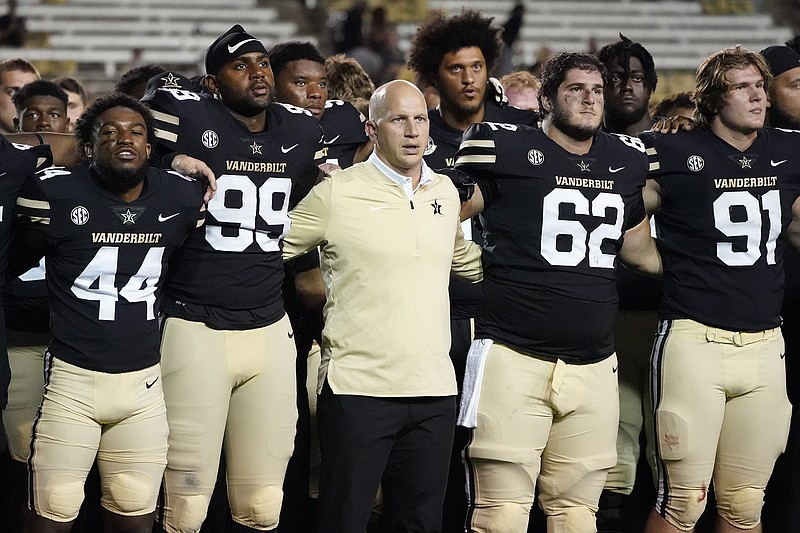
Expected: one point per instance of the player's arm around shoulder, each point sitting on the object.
(639, 251)
(197, 169)
(31, 222)
(466, 262)
(309, 219)
(189, 196)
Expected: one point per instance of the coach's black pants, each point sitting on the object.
(401, 443)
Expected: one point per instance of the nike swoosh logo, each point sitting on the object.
(783, 355)
(148, 385)
(776, 163)
(378, 207)
(615, 170)
(332, 140)
(232, 49)
(614, 370)
(287, 150)
(291, 334)
(162, 218)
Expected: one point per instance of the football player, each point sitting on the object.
(227, 351)
(541, 384)
(627, 96)
(456, 55)
(348, 81)
(781, 499)
(41, 106)
(300, 80)
(77, 98)
(108, 228)
(726, 198)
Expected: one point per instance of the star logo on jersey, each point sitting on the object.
(79, 215)
(535, 157)
(430, 147)
(695, 163)
(210, 139)
(171, 81)
(437, 208)
(584, 166)
(128, 215)
(256, 148)
(745, 162)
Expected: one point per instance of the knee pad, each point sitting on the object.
(64, 497)
(673, 436)
(131, 492)
(572, 520)
(506, 517)
(263, 509)
(188, 514)
(741, 508)
(685, 509)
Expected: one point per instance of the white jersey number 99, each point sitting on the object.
(238, 204)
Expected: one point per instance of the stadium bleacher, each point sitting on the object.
(96, 39)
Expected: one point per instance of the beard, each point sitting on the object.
(626, 116)
(779, 119)
(119, 181)
(580, 133)
(245, 104)
(462, 112)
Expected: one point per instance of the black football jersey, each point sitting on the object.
(17, 161)
(106, 261)
(553, 224)
(27, 302)
(444, 140)
(721, 226)
(443, 143)
(229, 273)
(343, 125)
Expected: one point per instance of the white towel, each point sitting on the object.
(471, 390)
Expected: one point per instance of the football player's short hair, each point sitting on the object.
(84, 127)
(136, 76)
(441, 35)
(665, 108)
(520, 79)
(71, 85)
(39, 88)
(554, 72)
(711, 85)
(282, 54)
(622, 51)
(20, 64)
(347, 79)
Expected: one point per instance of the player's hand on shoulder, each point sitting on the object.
(673, 124)
(197, 169)
(463, 182)
(327, 167)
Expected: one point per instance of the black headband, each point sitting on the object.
(229, 46)
(780, 59)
